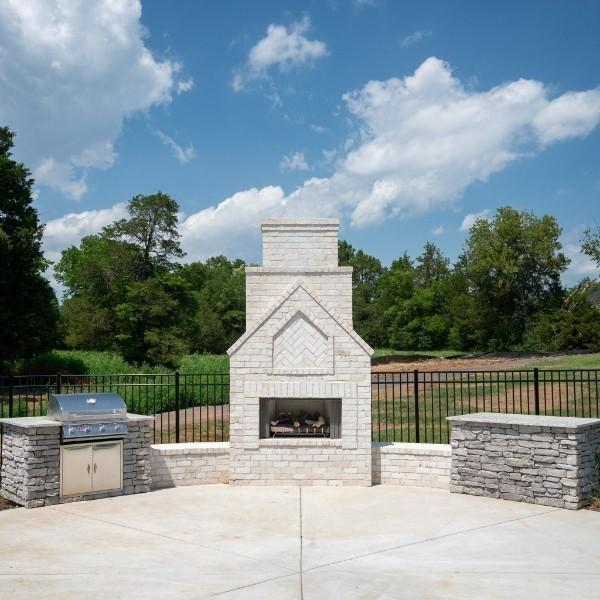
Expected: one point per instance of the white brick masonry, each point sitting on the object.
(425, 465)
(189, 464)
(299, 343)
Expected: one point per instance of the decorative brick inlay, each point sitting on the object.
(544, 460)
(301, 348)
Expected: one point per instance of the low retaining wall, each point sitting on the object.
(425, 465)
(189, 464)
(393, 464)
(544, 460)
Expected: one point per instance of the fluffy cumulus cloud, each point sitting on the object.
(294, 162)
(419, 142)
(283, 48)
(68, 230)
(70, 72)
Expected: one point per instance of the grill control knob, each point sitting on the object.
(71, 430)
(86, 429)
(101, 428)
(117, 426)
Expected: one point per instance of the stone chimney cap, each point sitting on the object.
(300, 222)
(296, 243)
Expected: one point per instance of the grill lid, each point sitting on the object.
(99, 406)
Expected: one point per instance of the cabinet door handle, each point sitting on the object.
(95, 467)
(88, 468)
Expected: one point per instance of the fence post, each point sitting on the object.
(10, 395)
(177, 406)
(536, 389)
(416, 386)
(58, 383)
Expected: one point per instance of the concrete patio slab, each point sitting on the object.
(276, 542)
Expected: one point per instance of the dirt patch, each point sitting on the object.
(457, 364)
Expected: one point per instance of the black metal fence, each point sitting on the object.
(413, 406)
(186, 407)
(406, 406)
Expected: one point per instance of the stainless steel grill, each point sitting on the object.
(89, 415)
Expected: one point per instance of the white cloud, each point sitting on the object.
(66, 231)
(70, 73)
(185, 85)
(439, 230)
(418, 143)
(295, 162)
(470, 219)
(414, 38)
(183, 155)
(282, 47)
(573, 114)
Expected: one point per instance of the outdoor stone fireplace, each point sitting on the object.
(300, 404)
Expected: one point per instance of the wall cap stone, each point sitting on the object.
(30, 422)
(189, 447)
(414, 449)
(528, 420)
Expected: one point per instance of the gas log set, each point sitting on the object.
(300, 424)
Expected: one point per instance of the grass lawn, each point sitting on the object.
(89, 362)
(576, 361)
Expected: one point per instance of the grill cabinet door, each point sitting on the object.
(108, 466)
(75, 469)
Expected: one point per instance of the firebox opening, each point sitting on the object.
(300, 417)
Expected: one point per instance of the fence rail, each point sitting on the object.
(406, 406)
(186, 407)
(413, 406)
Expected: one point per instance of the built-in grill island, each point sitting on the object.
(86, 447)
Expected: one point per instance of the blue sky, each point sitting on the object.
(401, 118)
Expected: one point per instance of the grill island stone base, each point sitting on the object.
(538, 459)
(31, 461)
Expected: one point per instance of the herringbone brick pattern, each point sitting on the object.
(300, 346)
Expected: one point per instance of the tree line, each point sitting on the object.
(127, 289)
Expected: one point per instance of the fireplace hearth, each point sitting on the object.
(305, 418)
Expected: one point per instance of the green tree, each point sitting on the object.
(432, 266)
(513, 265)
(151, 226)
(28, 307)
(219, 285)
(575, 325)
(366, 275)
(120, 291)
(416, 314)
(96, 276)
(156, 320)
(591, 244)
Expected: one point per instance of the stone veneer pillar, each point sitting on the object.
(539, 459)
